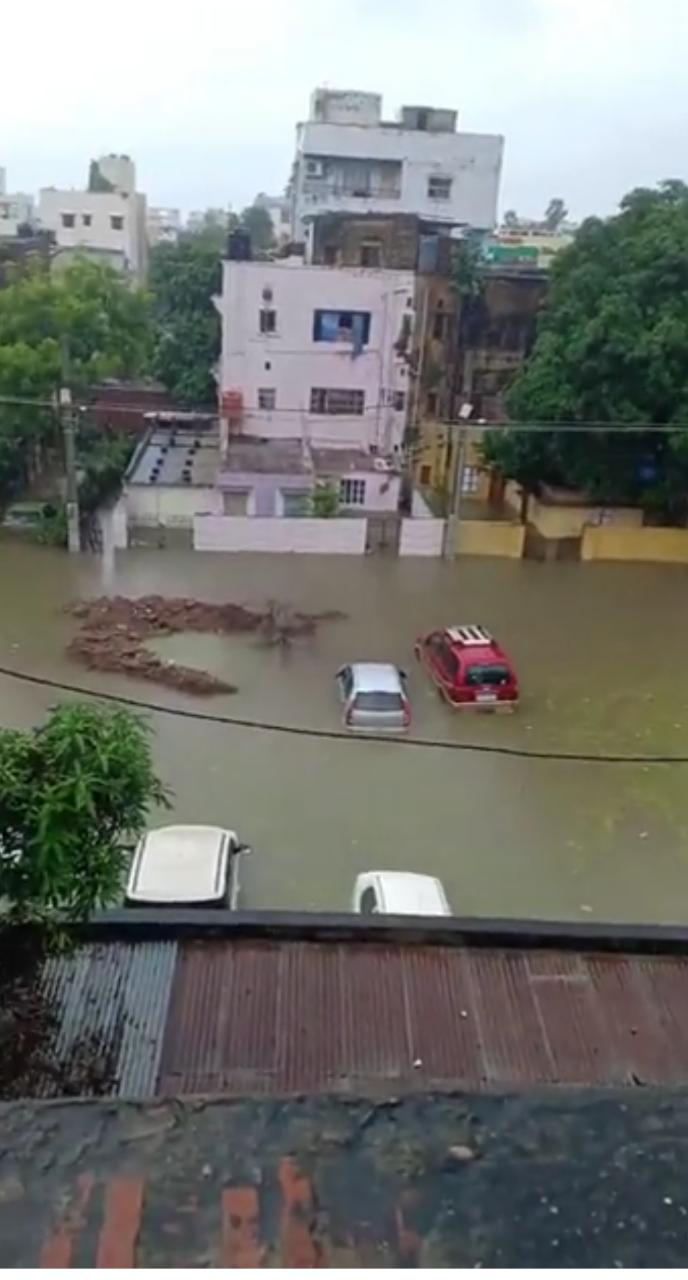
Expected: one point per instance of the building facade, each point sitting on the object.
(107, 225)
(348, 159)
(316, 354)
(163, 225)
(16, 209)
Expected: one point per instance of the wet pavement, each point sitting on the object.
(600, 651)
(582, 1178)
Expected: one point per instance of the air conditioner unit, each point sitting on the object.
(381, 464)
(315, 168)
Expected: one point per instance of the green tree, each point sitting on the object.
(184, 278)
(555, 214)
(612, 347)
(72, 792)
(324, 500)
(257, 221)
(87, 310)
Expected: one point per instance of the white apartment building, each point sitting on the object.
(16, 208)
(348, 159)
(163, 225)
(316, 354)
(107, 225)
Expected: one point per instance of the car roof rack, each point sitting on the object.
(472, 634)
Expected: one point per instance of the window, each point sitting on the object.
(439, 188)
(117, 221)
(342, 326)
(352, 493)
(470, 478)
(368, 903)
(491, 674)
(371, 253)
(87, 219)
(295, 504)
(68, 219)
(336, 400)
(425, 473)
(330, 255)
(266, 398)
(267, 365)
(399, 401)
(378, 700)
(267, 320)
(431, 403)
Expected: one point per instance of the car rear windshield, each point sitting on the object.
(494, 673)
(379, 702)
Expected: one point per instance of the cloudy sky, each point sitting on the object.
(591, 95)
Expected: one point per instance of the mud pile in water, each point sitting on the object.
(114, 630)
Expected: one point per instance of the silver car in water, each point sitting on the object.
(374, 697)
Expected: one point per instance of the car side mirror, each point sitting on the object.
(403, 674)
(242, 848)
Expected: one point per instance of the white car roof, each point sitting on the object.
(376, 677)
(180, 864)
(410, 893)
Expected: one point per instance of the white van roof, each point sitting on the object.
(181, 864)
(410, 893)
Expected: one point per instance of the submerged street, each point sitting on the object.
(600, 654)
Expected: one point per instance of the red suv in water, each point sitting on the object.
(469, 668)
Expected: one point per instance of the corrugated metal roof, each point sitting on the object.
(236, 1016)
(110, 1005)
(306, 1017)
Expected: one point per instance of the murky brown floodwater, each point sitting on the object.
(601, 654)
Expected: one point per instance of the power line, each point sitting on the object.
(588, 425)
(558, 428)
(338, 735)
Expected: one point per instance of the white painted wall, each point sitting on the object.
(472, 160)
(298, 363)
(381, 491)
(15, 209)
(169, 505)
(421, 538)
(419, 507)
(129, 242)
(271, 534)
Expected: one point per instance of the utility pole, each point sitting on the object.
(454, 513)
(66, 417)
(451, 527)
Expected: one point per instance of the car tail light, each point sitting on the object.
(407, 714)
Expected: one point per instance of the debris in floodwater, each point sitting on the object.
(114, 630)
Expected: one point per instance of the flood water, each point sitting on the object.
(600, 651)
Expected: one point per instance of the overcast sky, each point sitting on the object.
(590, 95)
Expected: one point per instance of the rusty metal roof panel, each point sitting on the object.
(443, 1026)
(514, 1045)
(574, 1027)
(274, 1017)
(110, 1007)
